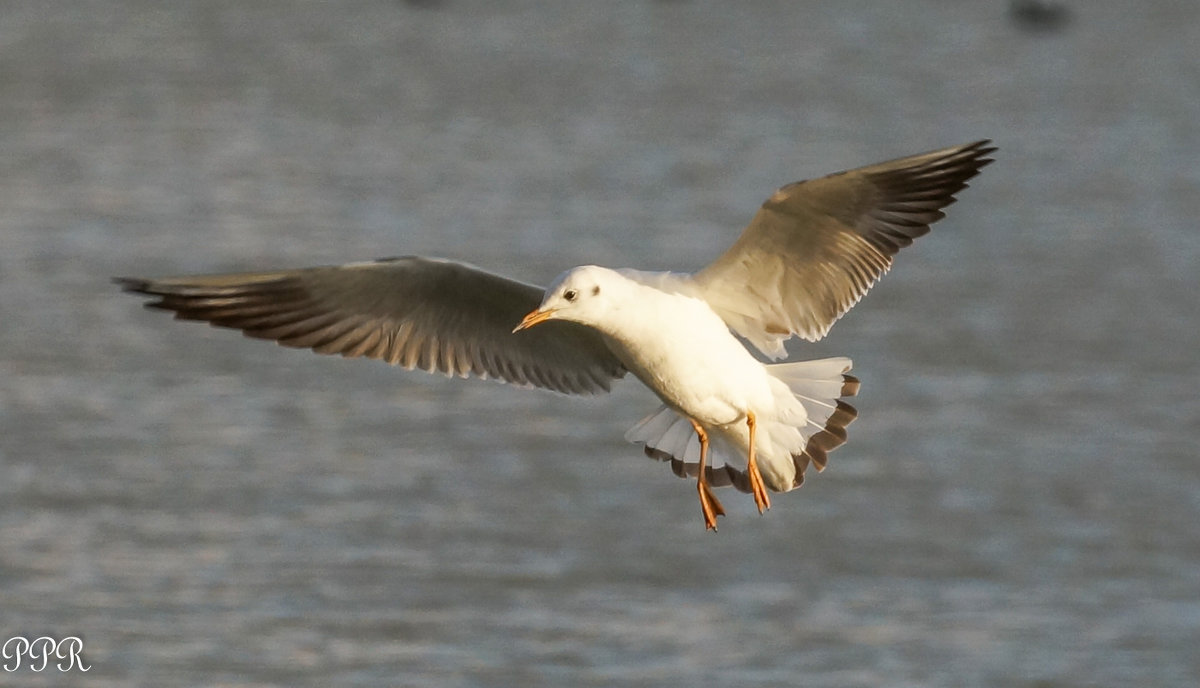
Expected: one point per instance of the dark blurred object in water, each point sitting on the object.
(1039, 15)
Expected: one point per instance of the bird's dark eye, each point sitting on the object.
(595, 290)
(570, 295)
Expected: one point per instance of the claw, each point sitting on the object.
(709, 505)
(761, 499)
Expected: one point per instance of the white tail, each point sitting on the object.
(817, 385)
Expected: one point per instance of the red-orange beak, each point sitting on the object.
(535, 316)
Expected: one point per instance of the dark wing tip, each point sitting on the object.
(914, 192)
(143, 287)
(976, 154)
(975, 150)
(133, 284)
(984, 147)
(963, 163)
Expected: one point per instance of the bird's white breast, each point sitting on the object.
(682, 350)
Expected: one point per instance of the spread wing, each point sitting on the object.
(816, 247)
(414, 312)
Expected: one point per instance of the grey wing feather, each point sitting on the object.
(816, 247)
(435, 315)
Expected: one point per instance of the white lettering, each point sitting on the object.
(20, 646)
(73, 647)
(40, 651)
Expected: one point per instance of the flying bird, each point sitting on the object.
(810, 253)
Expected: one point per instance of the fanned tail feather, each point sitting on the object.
(668, 437)
(818, 385)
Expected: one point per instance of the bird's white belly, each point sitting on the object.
(688, 357)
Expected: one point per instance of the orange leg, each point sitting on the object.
(709, 504)
(761, 499)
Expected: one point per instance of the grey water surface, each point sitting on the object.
(1019, 502)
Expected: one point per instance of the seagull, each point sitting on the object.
(727, 418)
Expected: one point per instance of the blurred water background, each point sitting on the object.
(1019, 503)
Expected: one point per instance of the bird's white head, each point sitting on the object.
(583, 295)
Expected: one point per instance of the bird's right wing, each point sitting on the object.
(436, 315)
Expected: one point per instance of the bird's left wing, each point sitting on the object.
(816, 247)
(436, 315)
